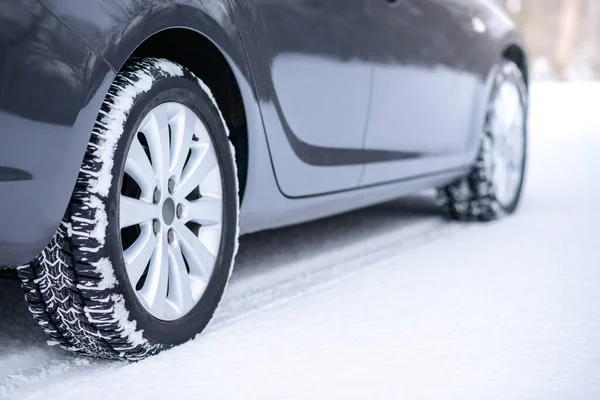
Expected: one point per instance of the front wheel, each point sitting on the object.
(493, 187)
(147, 244)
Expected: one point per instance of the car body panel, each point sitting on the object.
(48, 94)
(316, 88)
(299, 168)
(420, 63)
(431, 61)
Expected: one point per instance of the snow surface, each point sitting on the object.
(387, 302)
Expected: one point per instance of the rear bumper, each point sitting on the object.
(51, 88)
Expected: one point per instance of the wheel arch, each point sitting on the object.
(515, 53)
(510, 48)
(206, 42)
(209, 63)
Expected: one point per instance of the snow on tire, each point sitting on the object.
(493, 187)
(81, 288)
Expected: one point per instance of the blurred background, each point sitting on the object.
(563, 37)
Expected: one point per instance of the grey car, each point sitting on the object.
(139, 139)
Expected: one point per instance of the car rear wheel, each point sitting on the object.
(493, 187)
(146, 247)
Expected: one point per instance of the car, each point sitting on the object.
(140, 139)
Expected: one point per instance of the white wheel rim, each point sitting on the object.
(176, 213)
(507, 147)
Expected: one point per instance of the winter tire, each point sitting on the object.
(493, 187)
(143, 254)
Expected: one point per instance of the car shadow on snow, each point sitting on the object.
(16, 323)
(275, 248)
(258, 252)
(20, 335)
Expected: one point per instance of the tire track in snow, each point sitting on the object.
(255, 288)
(326, 272)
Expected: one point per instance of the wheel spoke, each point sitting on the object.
(200, 260)
(183, 126)
(210, 236)
(509, 108)
(205, 211)
(180, 286)
(203, 161)
(500, 175)
(156, 129)
(201, 132)
(154, 291)
(139, 168)
(134, 211)
(138, 254)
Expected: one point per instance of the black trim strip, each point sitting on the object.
(334, 156)
(8, 174)
(331, 156)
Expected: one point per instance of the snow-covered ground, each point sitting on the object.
(387, 302)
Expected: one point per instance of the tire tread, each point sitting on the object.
(66, 291)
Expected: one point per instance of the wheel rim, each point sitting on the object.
(171, 211)
(505, 147)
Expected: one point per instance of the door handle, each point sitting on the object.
(393, 3)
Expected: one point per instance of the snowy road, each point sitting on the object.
(387, 302)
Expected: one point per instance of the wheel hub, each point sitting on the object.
(168, 211)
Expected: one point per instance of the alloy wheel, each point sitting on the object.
(171, 211)
(504, 145)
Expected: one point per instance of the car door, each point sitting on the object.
(423, 91)
(311, 65)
